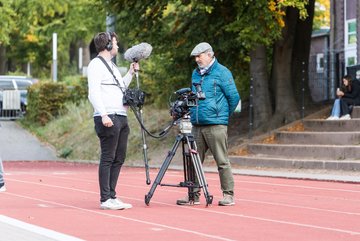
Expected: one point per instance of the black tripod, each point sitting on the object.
(193, 170)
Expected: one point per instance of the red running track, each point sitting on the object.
(64, 197)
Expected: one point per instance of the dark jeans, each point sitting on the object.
(345, 105)
(113, 144)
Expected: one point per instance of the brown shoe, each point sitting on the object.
(185, 201)
(227, 200)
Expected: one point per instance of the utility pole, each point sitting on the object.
(110, 27)
(54, 55)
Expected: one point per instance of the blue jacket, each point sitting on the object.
(221, 95)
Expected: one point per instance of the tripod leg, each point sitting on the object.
(146, 161)
(189, 173)
(198, 169)
(163, 169)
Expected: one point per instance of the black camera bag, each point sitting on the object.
(134, 97)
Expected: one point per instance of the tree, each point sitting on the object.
(244, 34)
(174, 28)
(31, 25)
(322, 14)
(274, 24)
(289, 53)
(7, 19)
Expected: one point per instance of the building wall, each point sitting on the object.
(337, 27)
(351, 9)
(318, 44)
(323, 81)
(341, 11)
(358, 29)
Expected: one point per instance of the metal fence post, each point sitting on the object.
(303, 91)
(251, 108)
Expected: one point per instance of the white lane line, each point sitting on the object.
(297, 206)
(279, 192)
(37, 229)
(237, 181)
(301, 186)
(125, 218)
(204, 210)
(236, 199)
(44, 205)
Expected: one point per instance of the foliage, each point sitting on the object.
(7, 19)
(322, 14)
(46, 101)
(260, 22)
(30, 25)
(78, 88)
(174, 27)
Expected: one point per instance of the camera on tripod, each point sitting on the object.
(185, 99)
(193, 172)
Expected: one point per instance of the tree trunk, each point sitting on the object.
(300, 61)
(285, 104)
(3, 69)
(261, 102)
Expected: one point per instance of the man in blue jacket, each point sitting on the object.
(211, 117)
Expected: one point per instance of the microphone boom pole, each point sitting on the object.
(134, 54)
(140, 112)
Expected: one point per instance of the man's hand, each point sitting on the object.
(107, 121)
(134, 67)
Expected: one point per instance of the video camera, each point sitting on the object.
(185, 99)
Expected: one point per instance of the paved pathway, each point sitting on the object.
(17, 144)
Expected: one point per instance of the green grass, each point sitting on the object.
(74, 137)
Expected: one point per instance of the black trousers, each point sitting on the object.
(345, 105)
(113, 144)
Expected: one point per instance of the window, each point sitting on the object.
(351, 32)
(320, 63)
(350, 42)
(23, 84)
(351, 61)
(6, 84)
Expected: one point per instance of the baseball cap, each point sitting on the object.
(201, 48)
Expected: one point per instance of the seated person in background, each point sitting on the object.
(349, 99)
(346, 87)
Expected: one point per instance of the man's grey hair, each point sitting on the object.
(210, 52)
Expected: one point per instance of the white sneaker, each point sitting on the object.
(3, 188)
(109, 204)
(345, 117)
(332, 118)
(227, 200)
(121, 203)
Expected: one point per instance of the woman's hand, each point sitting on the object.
(339, 93)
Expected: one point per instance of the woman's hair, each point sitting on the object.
(348, 87)
(103, 41)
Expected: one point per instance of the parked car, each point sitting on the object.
(20, 83)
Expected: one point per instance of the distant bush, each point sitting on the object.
(45, 101)
(78, 90)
